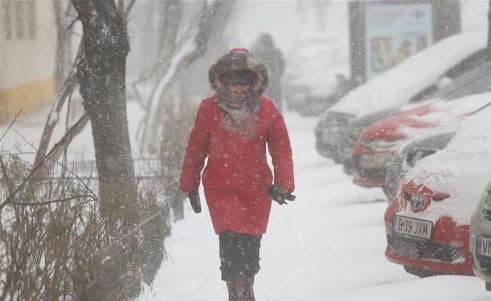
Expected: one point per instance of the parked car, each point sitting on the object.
(315, 68)
(480, 238)
(351, 133)
(427, 225)
(376, 145)
(409, 82)
(422, 145)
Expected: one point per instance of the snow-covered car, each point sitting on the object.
(427, 224)
(376, 145)
(409, 82)
(409, 153)
(313, 66)
(480, 241)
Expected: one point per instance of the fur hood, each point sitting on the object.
(238, 59)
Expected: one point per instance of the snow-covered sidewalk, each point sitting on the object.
(327, 245)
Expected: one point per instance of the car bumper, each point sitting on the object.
(447, 252)
(333, 146)
(420, 257)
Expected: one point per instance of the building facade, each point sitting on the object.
(27, 56)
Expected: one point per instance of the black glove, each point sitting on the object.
(279, 194)
(194, 200)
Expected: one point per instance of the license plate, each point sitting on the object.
(483, 246)
(412, 227)
(376, 160)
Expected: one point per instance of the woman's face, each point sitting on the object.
(238, 92)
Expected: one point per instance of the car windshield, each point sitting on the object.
(475, 81)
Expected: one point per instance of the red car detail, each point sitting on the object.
(447, 249)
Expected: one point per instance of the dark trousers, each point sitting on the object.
(239, 254)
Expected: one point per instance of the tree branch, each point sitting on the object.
(11, 124)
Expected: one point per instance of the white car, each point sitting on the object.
(377, 143)
(411, 81)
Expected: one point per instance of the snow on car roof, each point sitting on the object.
(397, 85)
(460, 170)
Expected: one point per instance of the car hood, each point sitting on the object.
(461, 171)
(458, 182)
(411, 122)
(391, 127)
(399, 84)
(368, 119)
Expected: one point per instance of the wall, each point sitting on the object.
(27, 56)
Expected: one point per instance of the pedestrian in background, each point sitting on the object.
(233, 129)
(265, 49)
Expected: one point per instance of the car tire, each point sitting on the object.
(419, 272)
(487, 285)
(347, 167)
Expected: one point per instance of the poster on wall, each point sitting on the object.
(395, 32)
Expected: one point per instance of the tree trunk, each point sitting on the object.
(489, 32)
(102, 86)
(170, 21)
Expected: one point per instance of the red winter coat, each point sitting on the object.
(237, 175)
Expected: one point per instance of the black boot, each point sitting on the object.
(241, 289)
(248, 288)
(233, 294)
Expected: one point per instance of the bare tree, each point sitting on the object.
(63, 52)
(169, 25)
(210, 27)
(64, 76)
(102, 85)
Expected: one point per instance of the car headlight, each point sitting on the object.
(353, 134)
(333, 122)
(380, 144)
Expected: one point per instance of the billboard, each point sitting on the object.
(385, 32)
(395, 32)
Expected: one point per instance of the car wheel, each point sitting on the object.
(487, 285)
(347, 168)
(419, 272)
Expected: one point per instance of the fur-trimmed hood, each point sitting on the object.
(238, 59)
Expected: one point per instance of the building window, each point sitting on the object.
(7, 18)
(20, 18)
(25, 18)
(31, 19)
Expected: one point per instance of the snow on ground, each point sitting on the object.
(327, 245)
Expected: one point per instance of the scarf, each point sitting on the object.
(241, 117)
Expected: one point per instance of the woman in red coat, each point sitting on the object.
(233, 130)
